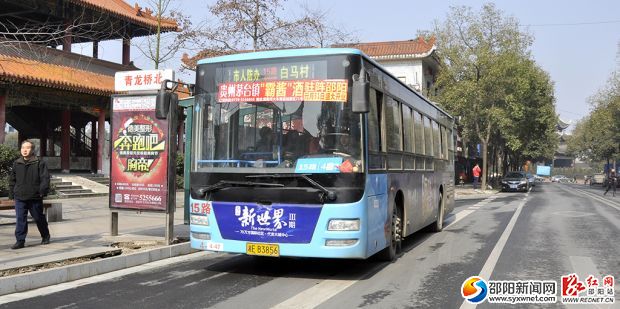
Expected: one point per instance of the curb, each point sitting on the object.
(38, 279)
(474, 196)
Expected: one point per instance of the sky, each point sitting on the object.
(576, 42)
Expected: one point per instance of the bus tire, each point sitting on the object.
(391, 252)
(438, 225)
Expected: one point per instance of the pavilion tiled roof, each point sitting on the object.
(134, 13)
(416, 48)
(42, 74)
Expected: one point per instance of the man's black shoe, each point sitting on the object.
(45, 241)
(18, 245)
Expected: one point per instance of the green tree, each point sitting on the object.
(7, 156)
(528, 123)
(597, 136)
(479, 52)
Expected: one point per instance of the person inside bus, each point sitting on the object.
(265, 143)
(344, 145)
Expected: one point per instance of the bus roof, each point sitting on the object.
(300, 52)
(282, 53)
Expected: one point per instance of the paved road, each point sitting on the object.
(552, 231)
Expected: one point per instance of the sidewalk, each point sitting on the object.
(83, 234)
(467, 192)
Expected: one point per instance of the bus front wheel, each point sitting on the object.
(393, 249)
(438, 225)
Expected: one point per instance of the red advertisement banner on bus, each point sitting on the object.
(331, 90)
(139, 159)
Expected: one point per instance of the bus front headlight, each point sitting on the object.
(343, 225)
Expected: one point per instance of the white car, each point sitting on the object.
(557, 178)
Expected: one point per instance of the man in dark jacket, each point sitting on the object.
(28, 184)
(612, 182)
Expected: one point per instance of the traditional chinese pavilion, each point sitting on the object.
(51, 94)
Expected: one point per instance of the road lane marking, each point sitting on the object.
(584, 266)
(471, 209)
(99, 278)
(321, 292)
(598, 198)
(491, 261)
(205, 279)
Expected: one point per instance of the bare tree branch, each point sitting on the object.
(260, 24)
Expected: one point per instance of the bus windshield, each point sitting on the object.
(278, 117)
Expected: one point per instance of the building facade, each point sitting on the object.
(52, 95)
(412, 61)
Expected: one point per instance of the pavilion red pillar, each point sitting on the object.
(65, 138)
(93, 146)
(2, 116)
(100, 140)
(126, 49)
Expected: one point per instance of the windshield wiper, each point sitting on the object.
(228, 183)
(326, 193)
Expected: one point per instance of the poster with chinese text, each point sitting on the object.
(139, 159)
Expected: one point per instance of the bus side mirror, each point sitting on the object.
(162, 105)
(165, 100)
(360, 94)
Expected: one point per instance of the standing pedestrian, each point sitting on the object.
(612, 182)
(476, 173)
(29, 182)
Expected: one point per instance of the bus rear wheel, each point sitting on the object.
(438, 225)
(396, 231)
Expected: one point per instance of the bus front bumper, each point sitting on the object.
(324, 243)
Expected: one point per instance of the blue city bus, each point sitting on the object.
(314, 153)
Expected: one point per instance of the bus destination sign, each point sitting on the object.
(278, 82)
(333, 90)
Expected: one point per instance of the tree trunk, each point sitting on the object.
(485, 145)
(158, 36)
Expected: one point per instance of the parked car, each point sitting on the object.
(598, 178)
(557, 178)
(531, 178)
(539, 178)
(565, 179)
(515, 181)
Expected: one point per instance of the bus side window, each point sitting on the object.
(451, 143)
(419, 140)
(393, 125)
(437, 140)
(428, 141)
(408, 129)
(375, 138)
(394, 133)
(374, 123)
(444, 142)
(408, 158)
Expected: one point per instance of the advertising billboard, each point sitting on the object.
(139, 157)
(543, 170)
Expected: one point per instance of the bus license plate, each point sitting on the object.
(262, 249)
